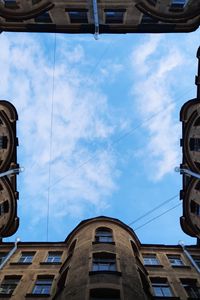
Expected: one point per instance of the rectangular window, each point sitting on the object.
(11, 4)
(54, 257)
(104, 262)
(26, 257)
(9, 284)
(196, 259)
(3, 142)
(195, 144)
(178, 3)
(2, 256)
(4, 207)
(43, 286)
(44, 18)
(114, 16)
(151, 259)
(191, 288)
(78, 16)
(175, 260)
(195, 208)
(103, 236)
(161, 287)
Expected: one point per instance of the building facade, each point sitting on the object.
(9, 221)
(101, 258)
(102, 16)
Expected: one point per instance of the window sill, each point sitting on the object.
(20, 263)
(5, 295)
(105, 272)
(181, 267)
(50, 263)
(154, 266)
(109, 243)
(166, 298)
(37, 295)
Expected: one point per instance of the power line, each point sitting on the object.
(154, 209)
(153, 219)
(51, 134)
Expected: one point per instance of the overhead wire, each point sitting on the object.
(51, 135)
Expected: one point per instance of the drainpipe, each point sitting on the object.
(9, 254)
(12, 171)
(187, 172)
(189, 256)
(96, 19)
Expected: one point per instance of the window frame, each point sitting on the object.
(194, 292)
(42, 285)
(104, 235)
(152, 259)
(54, 257)
(161, 287)
(7, 286)
(25, 257)
(104, 262)
(175, 260)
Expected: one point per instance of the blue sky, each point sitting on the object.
(107, 133)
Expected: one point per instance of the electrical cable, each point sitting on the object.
(154, 209)
(51, 134)
(153, 219)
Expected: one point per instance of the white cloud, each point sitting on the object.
(152, 92)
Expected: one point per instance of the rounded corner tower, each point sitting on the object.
(103, 262)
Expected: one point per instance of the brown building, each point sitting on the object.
(102, 16)
(101, 258)
(9, 221)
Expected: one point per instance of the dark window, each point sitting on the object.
(26, 257)
(197, 260)
(175, 260)
(9, 284)
(62, 279)
(197, 122)
(54, 257)
(1, 122)
(161, 287)
(4, 207)
(2, 256)
(10, 4)
(78, 16)
(195, 208)
(178, 3)
(104, 262)
(191, 288)
(146, 19)
(44, 18)
(197, 186)
(103, 235)
(3, 142)
(104, 294)
(114, 16)
(43, 286)
(151, 259)
(71, 248)
(195, 144)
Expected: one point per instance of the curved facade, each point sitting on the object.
(103, 261)
(9, 221)
(110, 16)
(190, 117)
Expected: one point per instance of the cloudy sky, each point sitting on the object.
(98, 129)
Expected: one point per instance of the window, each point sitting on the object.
(161, 287)
(151, 259)
(54, 257)
(191, 288)
(197, 260)
(195, 208)
(10, 4)
(78, 16)
(103, 235)
(104, 262)
(114, 16)
(146, 19)
(175, 260)
(197, 122)
(3, 142)
(43, 286)
(71, 248)
(26, 257)
(195, 144)
(44, 18)
(104, 294)
(9, 284)
(2, 256)
(178, 3)
(4, 207)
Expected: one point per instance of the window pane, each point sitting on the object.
(42, 286)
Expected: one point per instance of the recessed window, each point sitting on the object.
(191, 288)
(196, 259)
(175, 260)
(2, 256)
(54, 257)
(161, 287)
(195, 208)
(43, 286)
(104, 294)
(103, 235)
(114, 16)
(72, 248)
(4, 207)
(10, 4)
(178, 3)
(146, 19)
(78, 16)
(197, 122)
(104, 262)
(44, 18)
(195, 144)
(3, 142)
(9, 284)
(26, 257)
(151, 259)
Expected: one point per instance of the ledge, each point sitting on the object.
(37, 295)
(154, 266)
(2, 295)
(166, 298)
(181, 267)
(97, 243)
(20, 263)
(50, 263)
(105, 272)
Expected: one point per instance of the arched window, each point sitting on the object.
(104, 261)
(71, 248)
(103, 235)
(104, 294)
